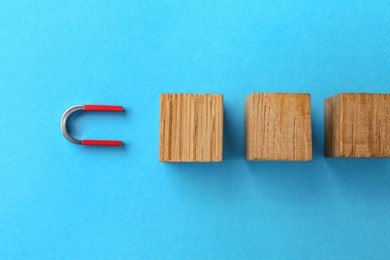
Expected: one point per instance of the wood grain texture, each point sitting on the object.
(278, 127)
(357, 125)
(191, 128)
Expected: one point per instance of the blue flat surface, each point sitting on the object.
(63, 201)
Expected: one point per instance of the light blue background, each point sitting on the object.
(60, 200)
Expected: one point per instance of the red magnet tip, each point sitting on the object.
(102, 142)
(103, 108)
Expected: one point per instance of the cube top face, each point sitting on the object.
(278, 127)
(191, 127)
(357, 125)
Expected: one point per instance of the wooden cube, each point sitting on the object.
(191, 128)
(357, 125)
(278, 127)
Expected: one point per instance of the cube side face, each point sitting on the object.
(278, 127)
(191, 128)
(364, 125)
(332, 118)
(248, 131)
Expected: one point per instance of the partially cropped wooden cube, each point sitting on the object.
(357, 125)
(278, 127)
(191, 128)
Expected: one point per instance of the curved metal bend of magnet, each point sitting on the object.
(73, 109)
